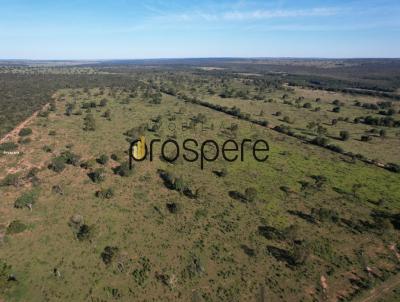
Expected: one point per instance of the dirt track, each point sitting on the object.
(380, 291)
(14, 133)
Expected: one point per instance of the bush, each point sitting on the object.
(123, 170)
(47, 149)
(107, 114)
(8, 146)
(103, 103)
(325, 215)
(88, 164)
(221, 173)
(16, 227)
(5, 273)
(108, 254)
(98, 175)
(25, 132)
(336, 109)
(250, 194)
(366, 138)
(335, 148)
(320, 141)
(84, 232)
(89, 123)
(11, 180)
(27, 199)
(105, 193)
(57, 164)
(70, 158)
(114, 157)
(393, 167)
(344, 135)
(25, 141)
(103, 159)
(173, 207)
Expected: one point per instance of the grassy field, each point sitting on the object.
(316, 227)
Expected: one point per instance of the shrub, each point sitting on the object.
(336, 109)
(26, 200)
(344, 135)
(5, 273)
(25, 141)
(16, 227)
(75, 222)
(393, 167)
(88, 164)
(57, 164)
(325, 215)
(173, 207)
(103, 103)
(89, 123)
(335, 148)
(70, 158)
(107, 114)
(84, 232)
(250, 194)
(320, 141)
(47, 148)
(103, 159)
(11, 180)
(52, 106)
(114, 157)
(108, 254)
(382, 133)
(98, 175)
(105, 193)
(366, 138)
(25, 132)
(180, 185)
(221, 173)
(123, 170)
(8, 146)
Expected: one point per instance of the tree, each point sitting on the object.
(89, 123)
(344, 135)
(26, 200)
(25, 132)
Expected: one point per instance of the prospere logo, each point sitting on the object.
(191, 150)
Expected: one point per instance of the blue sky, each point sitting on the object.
(124, 29)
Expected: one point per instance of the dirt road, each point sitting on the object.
(382, 290)
(14, 133)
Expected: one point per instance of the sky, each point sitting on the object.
(129, 29)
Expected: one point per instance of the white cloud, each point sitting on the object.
(250, 15)
(270, 14)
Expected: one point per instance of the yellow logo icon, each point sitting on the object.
(139, 149)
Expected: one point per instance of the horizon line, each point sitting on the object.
(197, 58)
